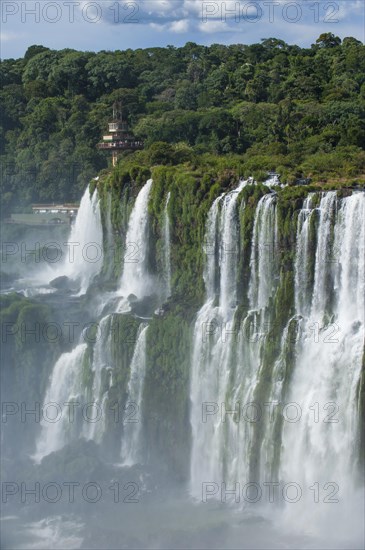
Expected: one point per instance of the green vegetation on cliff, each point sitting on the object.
(300, 111)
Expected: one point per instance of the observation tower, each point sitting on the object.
(119, 138)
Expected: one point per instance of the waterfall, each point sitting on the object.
(313, 359)
(101, 364)
(211, 245)
(136, 279)
(303, 275)
(131, 442)
(67, 386)
(84, 262)
(322, 447)
(212, 339)
(60, 422)
(227, 359)
(110, 245)
(85, 245)
(248, 347)
(228, 252)
(320, 290)
(318, 366)
(167, 248)
(263, 252)
(66, 381)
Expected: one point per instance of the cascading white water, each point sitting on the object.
(302, 257)
(136, 278)
(101, 361)
(226, 364)
(249, 343)
(321, 373)
(66, 382)
(83, 262)
(131, 442)
(109, 252)
(320, 292)
(167, 248)
(135, 273)
(84, 256)
(201, 454)
(59, 423)
(211, 248)
(321, 447)
(212, 338)
(318, 367)
(228, 252)
(263, 252)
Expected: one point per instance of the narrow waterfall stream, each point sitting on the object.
(264, 250)
(135, 278)
(167, 247)
(64, 387)
(131, 442)
(84, 257)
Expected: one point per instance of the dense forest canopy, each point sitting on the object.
(300, 111)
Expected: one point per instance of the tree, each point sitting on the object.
(274, 44)
(34, 50)
(186, 95)
(328, 40)
(161, 153)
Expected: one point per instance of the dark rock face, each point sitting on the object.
(67, 285)
(62, 283)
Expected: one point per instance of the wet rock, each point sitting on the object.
(61, 283)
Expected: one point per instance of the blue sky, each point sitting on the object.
(121, 24)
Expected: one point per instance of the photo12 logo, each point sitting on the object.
(269, 11)
(53, 252)
(266, 331)
(253, 412)
(269, 491)
(70, 11)
(68, 492)
(52, 332)
(71, 411)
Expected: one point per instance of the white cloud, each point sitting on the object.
(179, 26)
(157, 27)
(210, 27)
(162, 22)
(206, 17)
(8, 36)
